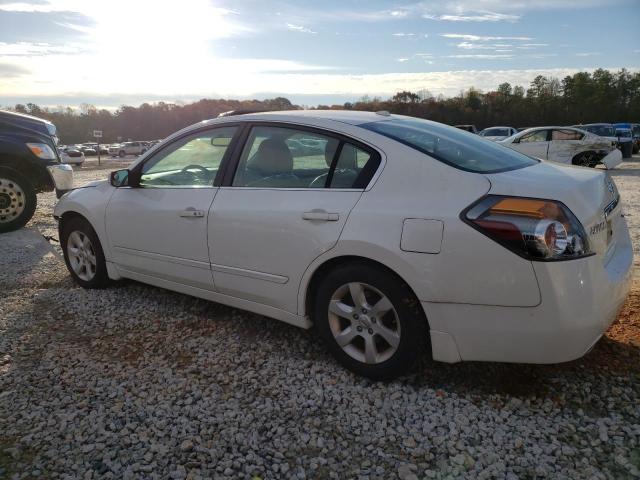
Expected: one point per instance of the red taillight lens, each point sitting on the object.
(533, 228)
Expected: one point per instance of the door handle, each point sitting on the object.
(321, 215)
(192, 213)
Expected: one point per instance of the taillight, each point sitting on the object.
(536, 229)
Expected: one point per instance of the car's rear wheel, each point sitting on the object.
(370, 320)
(83, 253)
(18, 200)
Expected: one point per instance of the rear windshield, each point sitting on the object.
(451, 145)
(495, 132)
(602, 130)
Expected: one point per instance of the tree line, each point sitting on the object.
(601, 96)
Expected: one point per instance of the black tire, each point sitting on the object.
(121, 154)
(414, 340)
(79, 224)
(22, 198)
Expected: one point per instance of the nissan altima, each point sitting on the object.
(394, 237)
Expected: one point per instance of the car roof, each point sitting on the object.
(498, 126)
(353, 117)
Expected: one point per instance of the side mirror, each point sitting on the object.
(119, 178)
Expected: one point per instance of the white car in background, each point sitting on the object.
(565, 145)
(71, 156)
(128, 148)
(398, 236)
(498, 133)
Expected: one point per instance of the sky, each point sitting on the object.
(114, 52)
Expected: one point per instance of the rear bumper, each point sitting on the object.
(580, 299)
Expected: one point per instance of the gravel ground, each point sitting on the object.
(138, 382)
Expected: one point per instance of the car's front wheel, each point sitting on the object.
(18, 200)
(121, 153)
(370, 320)
(83, 253)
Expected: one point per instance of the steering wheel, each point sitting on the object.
(196, 167)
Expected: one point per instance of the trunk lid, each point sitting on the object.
(589, 193)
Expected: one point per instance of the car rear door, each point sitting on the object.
(535, 144)
(159, 228)
(565, 144)
(284, 201)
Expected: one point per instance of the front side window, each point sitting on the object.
(282, 157)
(566, 135)
(191, 161)
(451, 146)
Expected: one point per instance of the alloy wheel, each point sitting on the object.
(364, 323)
(82, 256)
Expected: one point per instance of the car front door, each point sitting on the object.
(565, 144)
(534, 144)
(283, 204)
(158, 227)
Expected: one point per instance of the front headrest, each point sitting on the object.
(273, 157)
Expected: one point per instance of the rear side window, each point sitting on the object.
(537, 136)
(566, 135)
(284, 157)
(451, 145)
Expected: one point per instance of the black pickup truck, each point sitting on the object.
(29, 164)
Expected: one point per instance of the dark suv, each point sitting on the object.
(29, 163)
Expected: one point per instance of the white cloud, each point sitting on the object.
(402, 60)
(587, 54)
(401, 34)
(483, 56)
(299, 28)
(481, 38)
(481, 46)
(251, 85)
(28, 49)
(474, 17)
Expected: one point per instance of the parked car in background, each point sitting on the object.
(71, 156)
(634, 129)
(129, 148)
(565, 145)
(497, 133)
(89, 150)
(29, 164)
(609, 131)
(388, 241)
(114, 149)
(625, 141)
(468, 128)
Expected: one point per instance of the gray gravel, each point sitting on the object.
(138, 382)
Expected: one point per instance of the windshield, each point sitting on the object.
(451, 145)
(495, 132)
(602, 130)
(623, 133)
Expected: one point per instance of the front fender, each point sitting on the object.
(90, 202)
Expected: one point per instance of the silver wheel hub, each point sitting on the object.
(82, 256)
(12, 200)
(364, 323)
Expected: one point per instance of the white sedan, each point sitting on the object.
(398, 236)
(71, 156)
(565, 145)
(497, 133)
